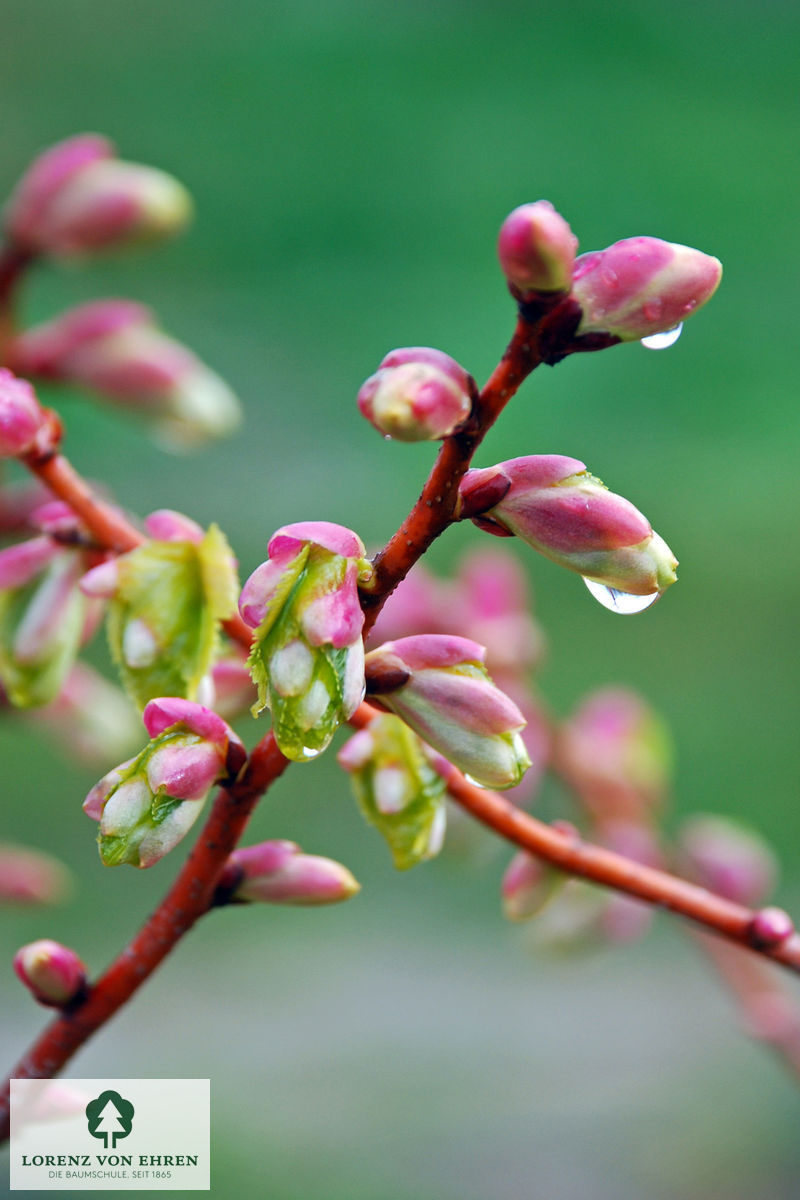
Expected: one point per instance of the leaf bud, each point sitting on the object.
(280, 872)
(22, 418)
(536, 248)
(567, 514)
(642, 286)
(114, 349)
(52, 972)
(416, 395)
(77, 198)
(439, 686)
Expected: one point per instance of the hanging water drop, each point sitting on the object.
(660, 341)
(620, 602)
(310, 752)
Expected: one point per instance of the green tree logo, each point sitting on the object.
(109, 1117)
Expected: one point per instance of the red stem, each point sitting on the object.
(188, 899)
(576, 857)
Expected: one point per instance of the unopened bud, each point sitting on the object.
(536, 248)
(439, 686)
(21, 416)
(31, 877)
(53, 973)
(280, 873)
(78, 198)
(528, 885)
(728, 858)
(417, 395)
(556, 506)
(114, 349)
(641, 286)
(770, 927)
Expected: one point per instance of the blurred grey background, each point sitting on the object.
(351, 164)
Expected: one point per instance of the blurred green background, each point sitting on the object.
(351, 163)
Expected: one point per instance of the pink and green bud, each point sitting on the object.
(147, 804)
(22, 418)
(231, 689)
(728, 858)
(439, 686)
(77, 198)
(398, 788)
(559, 509)
(616, 753)
(31, 877)
(417, 394)
(43, 619)
(168, 599)
(52, 972)
(280, 873)
(528, 886)
(113, 349)
(642, 286)
(307, 657)
(536, 248)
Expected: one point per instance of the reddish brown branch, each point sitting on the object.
(576, 857)
(188, 899)
(434, 509)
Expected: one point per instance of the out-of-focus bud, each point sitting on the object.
(53, 973)
(493, 604)
(43, 618)
(307, 658)
(556, 506)
(419, 604)
(438, 685)
(417, 394)
(280, 873)
(168, 598)
(397, 788)
(94, 720)
(231, 688)
(146, 805)
(77, 198)
(529, 884)
(641, 286)
(30, 877)
(114, 349)
(617, 755)
(536, 248)
(22, 418)
(18, 503)
(728, 858)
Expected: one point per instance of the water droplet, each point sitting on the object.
(310, 752)
(660, 341)
(621, 602)
(475, 782)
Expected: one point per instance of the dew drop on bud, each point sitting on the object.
(310, 752)
(620, 602)
(660, 341)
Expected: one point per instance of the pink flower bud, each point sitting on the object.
(78, 198)
(280, 873)
(641, 286)
(556, 506)
(417, 395)
(770, 927)
(231, 686)
(616, 754)
(728, 858)
(21, 416)
(536, 248)
(166, 525)
(53, 973)
(173, 712)
(113, 348)
(438, 685)
(30, 877)
(21, 563)
(528, 885)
